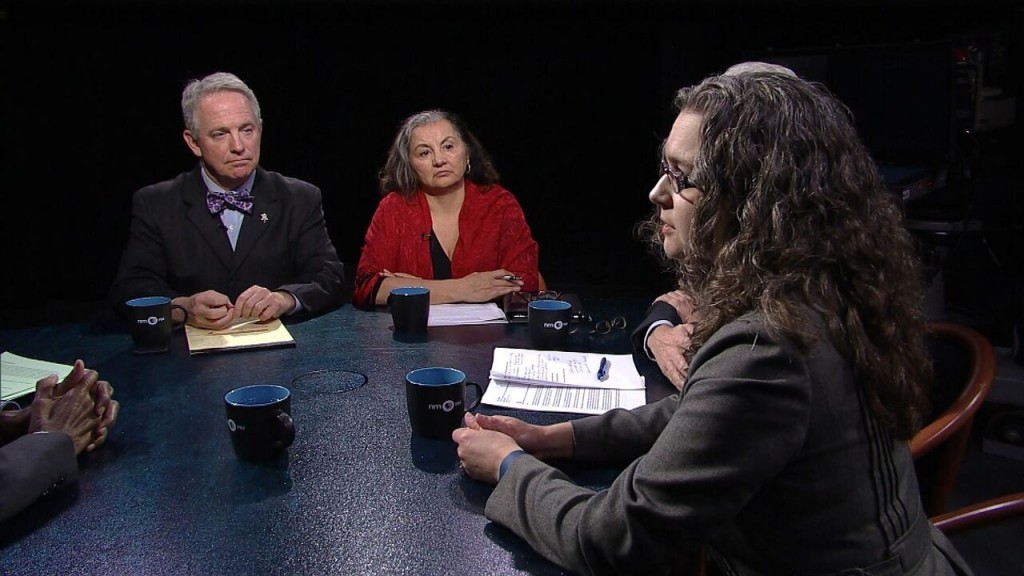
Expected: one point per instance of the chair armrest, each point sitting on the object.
(960, 413)
(982, 513)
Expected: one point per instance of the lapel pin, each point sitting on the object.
(263, 218)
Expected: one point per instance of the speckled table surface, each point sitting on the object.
(356, 493)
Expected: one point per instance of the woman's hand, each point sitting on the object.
(482, 451)
(487, 440)
(487, 286)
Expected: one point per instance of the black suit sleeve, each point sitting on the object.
(33, 465)
(143, 270)
(319, 281)
(658, 311)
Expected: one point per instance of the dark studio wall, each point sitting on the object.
(571, 98)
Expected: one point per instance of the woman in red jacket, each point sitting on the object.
(444, 221)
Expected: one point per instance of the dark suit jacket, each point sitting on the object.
(32, 465)
(645, 366)
(177, 248)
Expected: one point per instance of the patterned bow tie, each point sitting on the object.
(218, 201)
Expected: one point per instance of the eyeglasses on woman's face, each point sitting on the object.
(679, 183)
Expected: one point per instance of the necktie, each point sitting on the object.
(218, 201)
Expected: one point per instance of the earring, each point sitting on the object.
(468, 166)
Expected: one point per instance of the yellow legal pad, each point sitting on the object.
(242, 335)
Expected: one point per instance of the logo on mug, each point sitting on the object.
(557, 325)
(152, 320)
(447, 405)
(231, 425)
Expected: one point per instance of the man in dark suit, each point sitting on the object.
(229, 240)
(39, 445)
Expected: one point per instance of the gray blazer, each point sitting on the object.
(769, 455)
(31, 466)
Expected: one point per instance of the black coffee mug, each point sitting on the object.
(410, 310)
(259, 419)
(152, 323)
(549, 324)
(436, 399)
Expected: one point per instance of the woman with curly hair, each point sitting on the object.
(786, 450)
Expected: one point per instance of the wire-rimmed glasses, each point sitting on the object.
(527, 297)
(678, 181)
(603, 327)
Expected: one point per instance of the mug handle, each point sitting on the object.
(284, 430)
(479, 395)
(183, 311)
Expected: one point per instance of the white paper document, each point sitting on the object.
(558, 368)
(558, 381)
(561, 398)
(18, 375)
(465, 314)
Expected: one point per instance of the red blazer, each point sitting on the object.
(492, 234)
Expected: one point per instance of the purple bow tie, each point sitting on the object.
(218, 201)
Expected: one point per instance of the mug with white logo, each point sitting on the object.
(152, 323)
(549, 324)
(260, 420)
(436, 399)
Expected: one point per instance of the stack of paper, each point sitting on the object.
(556, 381)
(18, 375)
(465, 314)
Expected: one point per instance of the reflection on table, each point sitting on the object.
(356, 493)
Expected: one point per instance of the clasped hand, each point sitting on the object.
(81, 406)
(213, 310)
(474, 287)
(486, 440)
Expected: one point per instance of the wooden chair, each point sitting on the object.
(965, 367)
(980, 514)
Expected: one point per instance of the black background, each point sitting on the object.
(571, 99)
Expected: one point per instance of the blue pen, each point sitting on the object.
(602, 370)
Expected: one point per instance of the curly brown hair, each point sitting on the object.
(794, 222)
